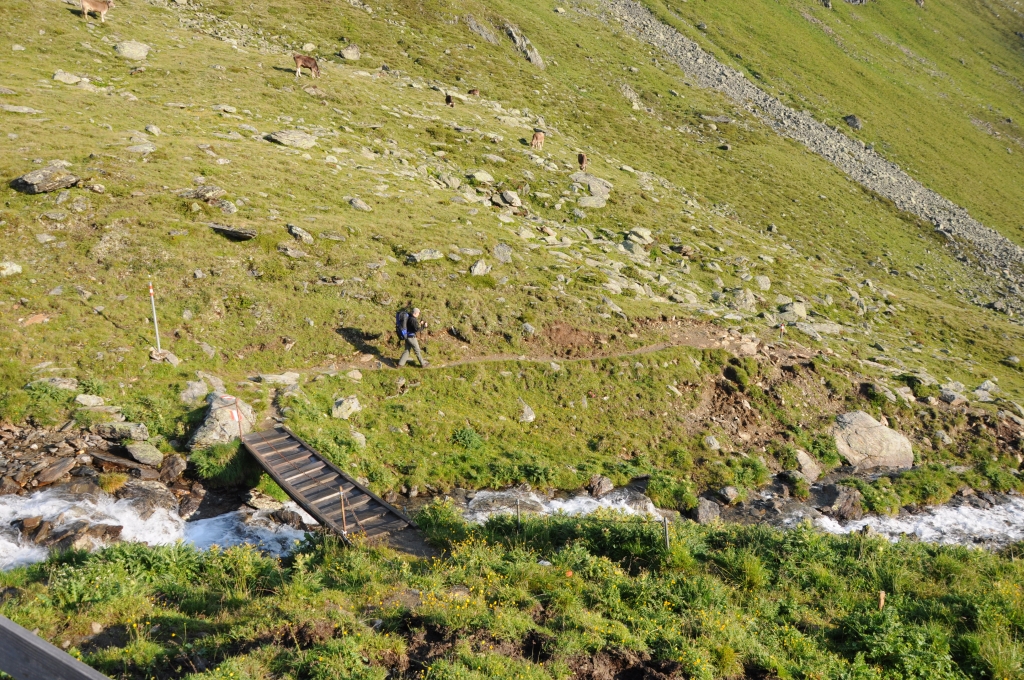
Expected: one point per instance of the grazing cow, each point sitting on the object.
(538, 140)
(582, 158)
(449, 100)
(302, 61)
(475, 92)
(98, 6)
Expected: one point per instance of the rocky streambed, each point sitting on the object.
(53, 497)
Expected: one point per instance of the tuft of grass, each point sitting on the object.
(226, 465)
(111, 481)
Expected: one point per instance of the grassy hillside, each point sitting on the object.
(220, 76)
(938, 88)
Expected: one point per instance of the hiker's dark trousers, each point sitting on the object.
(411, 345)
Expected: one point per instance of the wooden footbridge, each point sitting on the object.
(331, 496)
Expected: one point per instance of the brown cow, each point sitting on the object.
(98, 6)
(449, 100)
(582, 158)
(302, 61)
(538, 140)
(475, 92)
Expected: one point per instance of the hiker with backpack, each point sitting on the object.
(407, 326)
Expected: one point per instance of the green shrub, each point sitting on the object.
(226, 465)
(467, 438)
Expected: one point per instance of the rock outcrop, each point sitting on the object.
(866, 443)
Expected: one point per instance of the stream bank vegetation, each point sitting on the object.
(555, 597)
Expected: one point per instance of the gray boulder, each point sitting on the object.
(866, 444)
(808, 466)
(119, 432)
(69, 384)
(599, 485)
(234, 233)
(706, 512)
(479, 268)
(346, 407)
(360, 204)
(293, 138)
(145, 453)
(300, 234)
(172, 467)
(219, 427)
(194, 391)
(41, 181)
(425, 255)
(9, 269)
(351, 53)
(502, 253)
(527, 415)
(147, 497)
(133, 50)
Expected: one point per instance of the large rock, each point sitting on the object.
(293, 138)
(119, 432)
(132, 49)
(145, 453)
(425, 255)
(346, 407)
(480, 268)
(351, 53)
(172, 468)
(44, 180)
(526, 415)
(481, 177)
(219, 427)
(67, 78)
(591, 202)
(89, 400)
(599, 485)
(147, 497)
(707, 511)
(360, 204)
(234, 233)
(289, 378)
(596, 185)
(865, 443)
(55, 471)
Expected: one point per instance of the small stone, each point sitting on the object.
(729, 493)
(526, 415)
(853, 121)
(763, 282)
(69, 384)
(89, 400)
(355, 375)
(479, 268)
(943, 438)
(145, 453)
(360, 204)
(808, 466)
(359, 438)
(528, 329)
(153, 130)
(346, 407)
(55, 471)
(711, 443)
(300, 234)
(224, 108)
(502, 253)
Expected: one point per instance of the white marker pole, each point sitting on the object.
(152, 301)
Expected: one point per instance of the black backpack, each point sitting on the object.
(401, 321)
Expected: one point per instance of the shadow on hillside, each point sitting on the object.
(360, 339)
